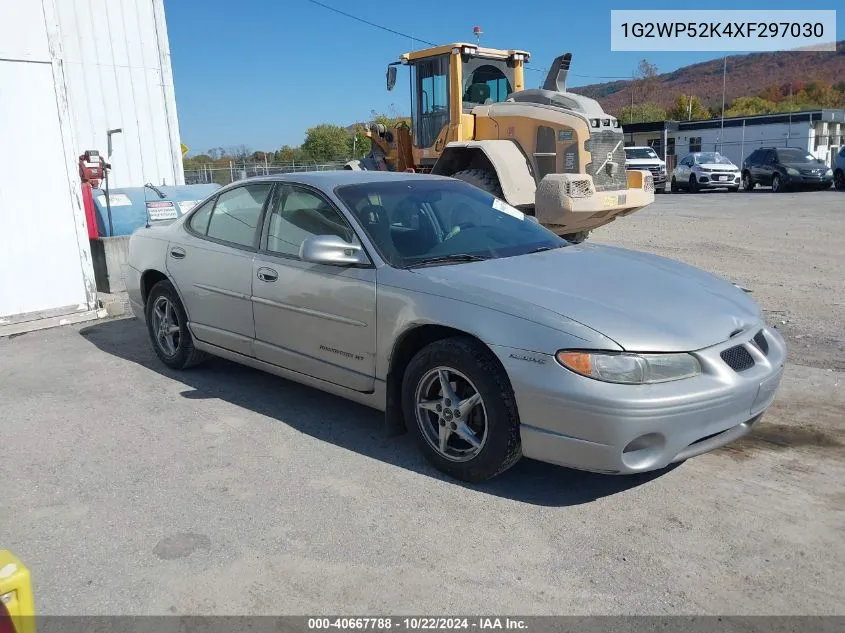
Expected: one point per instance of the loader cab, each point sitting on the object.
(447, 82)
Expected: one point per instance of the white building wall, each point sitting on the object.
(69, 71)
(117, 64)
(737, 145)
(45, 257)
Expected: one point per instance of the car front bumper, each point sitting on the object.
(809, 181)
(719, 180)
(574, 421)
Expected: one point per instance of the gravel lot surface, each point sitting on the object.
(131, 489)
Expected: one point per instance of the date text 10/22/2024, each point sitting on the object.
(416, 623)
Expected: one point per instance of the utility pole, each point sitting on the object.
(791, 105)
(724, 83)
(631, 116)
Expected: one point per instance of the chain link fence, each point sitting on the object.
(223, 175)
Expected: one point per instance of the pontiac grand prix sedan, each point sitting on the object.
(470, 325)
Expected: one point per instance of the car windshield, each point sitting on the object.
(418, 222)
(712, 158)
(795, 155)
(640, 152)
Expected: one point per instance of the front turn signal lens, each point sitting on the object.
(632, 369)
(576, 361)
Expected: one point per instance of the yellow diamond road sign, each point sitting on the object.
(184, 149)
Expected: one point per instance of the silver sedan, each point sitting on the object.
(470, 325)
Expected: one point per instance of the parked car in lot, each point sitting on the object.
(705, 170)
(785, 168)
(647, 159)
(839, 170)
(469, 324)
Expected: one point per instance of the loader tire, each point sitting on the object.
(576, 238)
(485, 179)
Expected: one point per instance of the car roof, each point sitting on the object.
(333, 177)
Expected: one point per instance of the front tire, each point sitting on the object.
(167, 325)
(693, 184)
(747, 182)
(485, 179)
(777, 184)
(576, 238)
(458, 403)
(839, 180)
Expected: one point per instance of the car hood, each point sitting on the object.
(719, 166)
(643, 162)
(800, 166)
(641, 301)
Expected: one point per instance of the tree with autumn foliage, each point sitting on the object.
(687, 108)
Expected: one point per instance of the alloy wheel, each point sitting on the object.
(166, 328)
(451, 414)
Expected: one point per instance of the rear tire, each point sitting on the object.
(839, 180)
(485, 179)
(167, 325)
(492, 420)
(673, 186)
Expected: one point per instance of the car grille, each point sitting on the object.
(738, 358)
(599, 145)
(812, 172)
(653, 169)
(761, 342)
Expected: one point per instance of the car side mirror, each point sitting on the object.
(332, 250)
(391, 77)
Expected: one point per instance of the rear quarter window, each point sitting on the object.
(199, 218)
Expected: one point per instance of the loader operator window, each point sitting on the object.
(485, 81)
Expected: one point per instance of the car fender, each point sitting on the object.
(536, 331)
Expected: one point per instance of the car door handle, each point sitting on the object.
(177, 253)
(267, 274)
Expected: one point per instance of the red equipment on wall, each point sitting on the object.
(92, 170)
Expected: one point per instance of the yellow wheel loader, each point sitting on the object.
(548, 152)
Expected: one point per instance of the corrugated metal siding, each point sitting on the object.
(70, 70)
(116, 61)
(44, 251)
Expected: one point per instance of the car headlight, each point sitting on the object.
(633, 369)
(792, 171)
(829, 172)
(704, 169)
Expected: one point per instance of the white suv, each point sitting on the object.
(645, 158)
